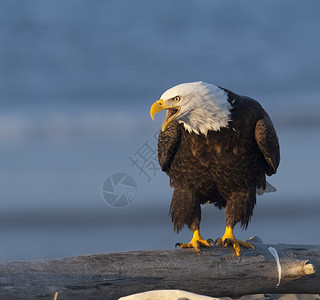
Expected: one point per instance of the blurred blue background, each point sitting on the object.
(77, 79)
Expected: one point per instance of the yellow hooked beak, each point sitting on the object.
(156, 107)
(172, 111)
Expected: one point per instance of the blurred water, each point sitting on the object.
(77, 79)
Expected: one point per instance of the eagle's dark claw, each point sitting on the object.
(226, 242)
(177, 245)
(211, 242)
(251, 245)
(218, 242)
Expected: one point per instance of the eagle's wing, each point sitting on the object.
(168, 144)
(268, 143)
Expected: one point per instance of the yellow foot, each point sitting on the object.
(197, 242)
(229, 239)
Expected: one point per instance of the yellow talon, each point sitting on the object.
(229, 239)
(196, 242)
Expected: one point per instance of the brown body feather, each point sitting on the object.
(225, 167)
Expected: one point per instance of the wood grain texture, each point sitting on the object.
(214, 272)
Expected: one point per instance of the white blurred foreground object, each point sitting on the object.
(167, 295)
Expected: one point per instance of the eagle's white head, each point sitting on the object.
(199, 106)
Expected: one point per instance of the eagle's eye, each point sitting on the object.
(176, 99)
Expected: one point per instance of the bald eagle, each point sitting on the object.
(217, 147)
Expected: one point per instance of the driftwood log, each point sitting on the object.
(214, 272)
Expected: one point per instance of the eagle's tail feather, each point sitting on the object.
(269, 189)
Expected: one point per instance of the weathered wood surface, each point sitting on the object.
(215, 272)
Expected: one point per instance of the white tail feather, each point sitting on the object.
(269, 189)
